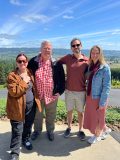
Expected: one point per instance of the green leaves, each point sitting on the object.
(2, 107)
(113, 115)
(5, 67)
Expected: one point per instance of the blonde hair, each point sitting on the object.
(101, 59)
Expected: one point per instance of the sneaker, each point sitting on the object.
(94, 139)
(81, 135)
(67, 133)
(106, 133)
(27, 144)
(50, 135)
(34, 135)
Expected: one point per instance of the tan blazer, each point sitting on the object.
(16, 99)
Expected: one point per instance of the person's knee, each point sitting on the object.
(81, 114)
(69, 112)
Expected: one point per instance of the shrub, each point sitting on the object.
(61, 111)
(115, 83)
(113, 115)
(115, 73)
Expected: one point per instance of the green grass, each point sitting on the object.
(115, 84)
(2, 86)
(2, 106)
(112, 115)
(115, 65)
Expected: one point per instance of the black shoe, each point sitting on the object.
(14, 157)
(81, 135)
(67, 133)
(50, 135)
(27, 144)
(34, 135)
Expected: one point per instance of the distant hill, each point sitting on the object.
(30, 52)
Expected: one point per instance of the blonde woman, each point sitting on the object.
(98, 88)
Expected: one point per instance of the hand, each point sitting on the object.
(101, 108)
(56, 95)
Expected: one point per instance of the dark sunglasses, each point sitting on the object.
(74, 45)
(21, 61)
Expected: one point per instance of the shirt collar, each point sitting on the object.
(48, 62)
(84, 58)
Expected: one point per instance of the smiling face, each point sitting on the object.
(46, 50)
(95, 54)
(21, 62)
(76, 46)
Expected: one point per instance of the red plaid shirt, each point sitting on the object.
(44, 81)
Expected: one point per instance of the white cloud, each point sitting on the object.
(100, 8)
(35, 14)
(34, 18)
(89, 39)
(9, 33)
(11, 27)
(68, 17)
(116, 32)
(17, 3)
(14, 26)
(6, 42)
(7, 36)
(65, 11)
(99, 33)
(101, 38)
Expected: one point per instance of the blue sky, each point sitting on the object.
(25, 23)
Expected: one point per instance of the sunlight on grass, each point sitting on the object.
(2, 106)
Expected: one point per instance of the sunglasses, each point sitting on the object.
(74, 45)
(21, 61)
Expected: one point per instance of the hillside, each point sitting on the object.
(30, 52)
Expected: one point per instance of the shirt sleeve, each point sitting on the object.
(16, 88)
(106, 85)
(64, 59)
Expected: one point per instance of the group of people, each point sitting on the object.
(35, 86)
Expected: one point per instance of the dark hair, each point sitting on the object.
(21, 54)
(75, 39)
